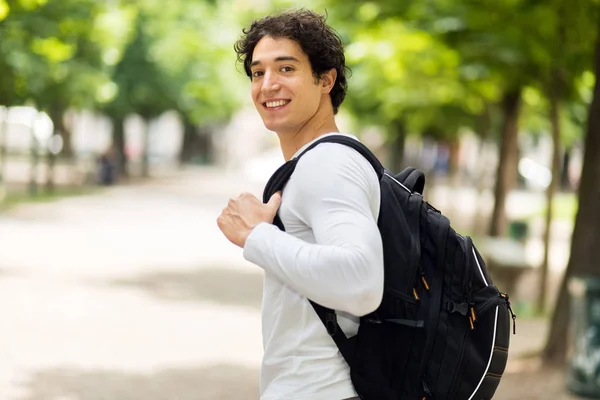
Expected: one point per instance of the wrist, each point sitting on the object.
(248, 233)
(257, 242)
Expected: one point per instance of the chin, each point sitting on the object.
(272, 126)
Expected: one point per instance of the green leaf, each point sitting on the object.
(4, 9)
(53, 49)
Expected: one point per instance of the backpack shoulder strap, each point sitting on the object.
(280, 177)
(356, 145)
(410, 177)
(277, 182)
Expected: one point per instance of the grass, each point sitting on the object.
(21, 195)
(564, 207)
(528, 310)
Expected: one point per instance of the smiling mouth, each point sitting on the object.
(276, 104)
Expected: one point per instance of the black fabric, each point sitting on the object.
(413, 179)
(442, 328)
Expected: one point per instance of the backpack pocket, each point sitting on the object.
(373, 361)
(485, 351)
(408, 337)
(386, 353)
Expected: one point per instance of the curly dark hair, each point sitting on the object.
(318, 40)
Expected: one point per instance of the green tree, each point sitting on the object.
(192, 44)
(586, 232)
(52, 57)
(570, 51)
(404, 80)
(502, 45)
(51, 60)
(185, 53)
(142, 88)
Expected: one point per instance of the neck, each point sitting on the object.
(321, 123)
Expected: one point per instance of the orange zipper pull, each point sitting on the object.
(422, 273)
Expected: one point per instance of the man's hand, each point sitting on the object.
(243, 213)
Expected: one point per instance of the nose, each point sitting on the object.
(270, 83)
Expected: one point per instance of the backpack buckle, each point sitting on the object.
(461, 308)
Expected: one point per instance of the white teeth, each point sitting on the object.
(278, 103)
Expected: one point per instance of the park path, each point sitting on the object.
(132, 293)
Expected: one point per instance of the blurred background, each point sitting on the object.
(125, 126)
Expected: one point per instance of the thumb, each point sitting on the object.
(275, 202)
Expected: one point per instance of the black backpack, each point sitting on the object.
(442, 328)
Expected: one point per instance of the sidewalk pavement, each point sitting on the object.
(133, 294)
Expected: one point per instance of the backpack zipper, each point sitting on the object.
(496, 301)
(512, 314)
(471, 306)
(493, 301)
(454, 386)
(423, 281)
(467, 289)
(502, 297)
(423, 278)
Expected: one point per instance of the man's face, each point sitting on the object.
(284, 89)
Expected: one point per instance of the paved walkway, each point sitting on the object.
(133, 294)
(129, 294)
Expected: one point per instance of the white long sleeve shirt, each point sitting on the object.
(331, 253)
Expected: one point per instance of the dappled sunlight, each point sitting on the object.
(125, 128)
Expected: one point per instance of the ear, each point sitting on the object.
(328, 80)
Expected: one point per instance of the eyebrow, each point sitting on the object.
(278, 59)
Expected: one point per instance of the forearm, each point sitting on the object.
(346, 278)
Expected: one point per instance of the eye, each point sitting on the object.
(286, 69)
(256, 74)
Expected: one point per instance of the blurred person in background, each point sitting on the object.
(331, 251)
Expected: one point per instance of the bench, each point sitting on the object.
(506, 261)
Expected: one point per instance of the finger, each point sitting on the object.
(275, 201)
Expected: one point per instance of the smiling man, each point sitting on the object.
(331, 250)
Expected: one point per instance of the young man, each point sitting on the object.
(331, 251)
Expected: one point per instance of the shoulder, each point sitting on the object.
(330, 164)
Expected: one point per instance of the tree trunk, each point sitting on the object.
(50, 160)
(506, 175)
(146, 150)
(34, 153)
(586, 232)
(397, 144)
(58, 119)
(205, 143)
(3, 152)
(189, 143)
(565, 182)
(550, 191)
(118, 138)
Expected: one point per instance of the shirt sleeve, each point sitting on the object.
(343, 270)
